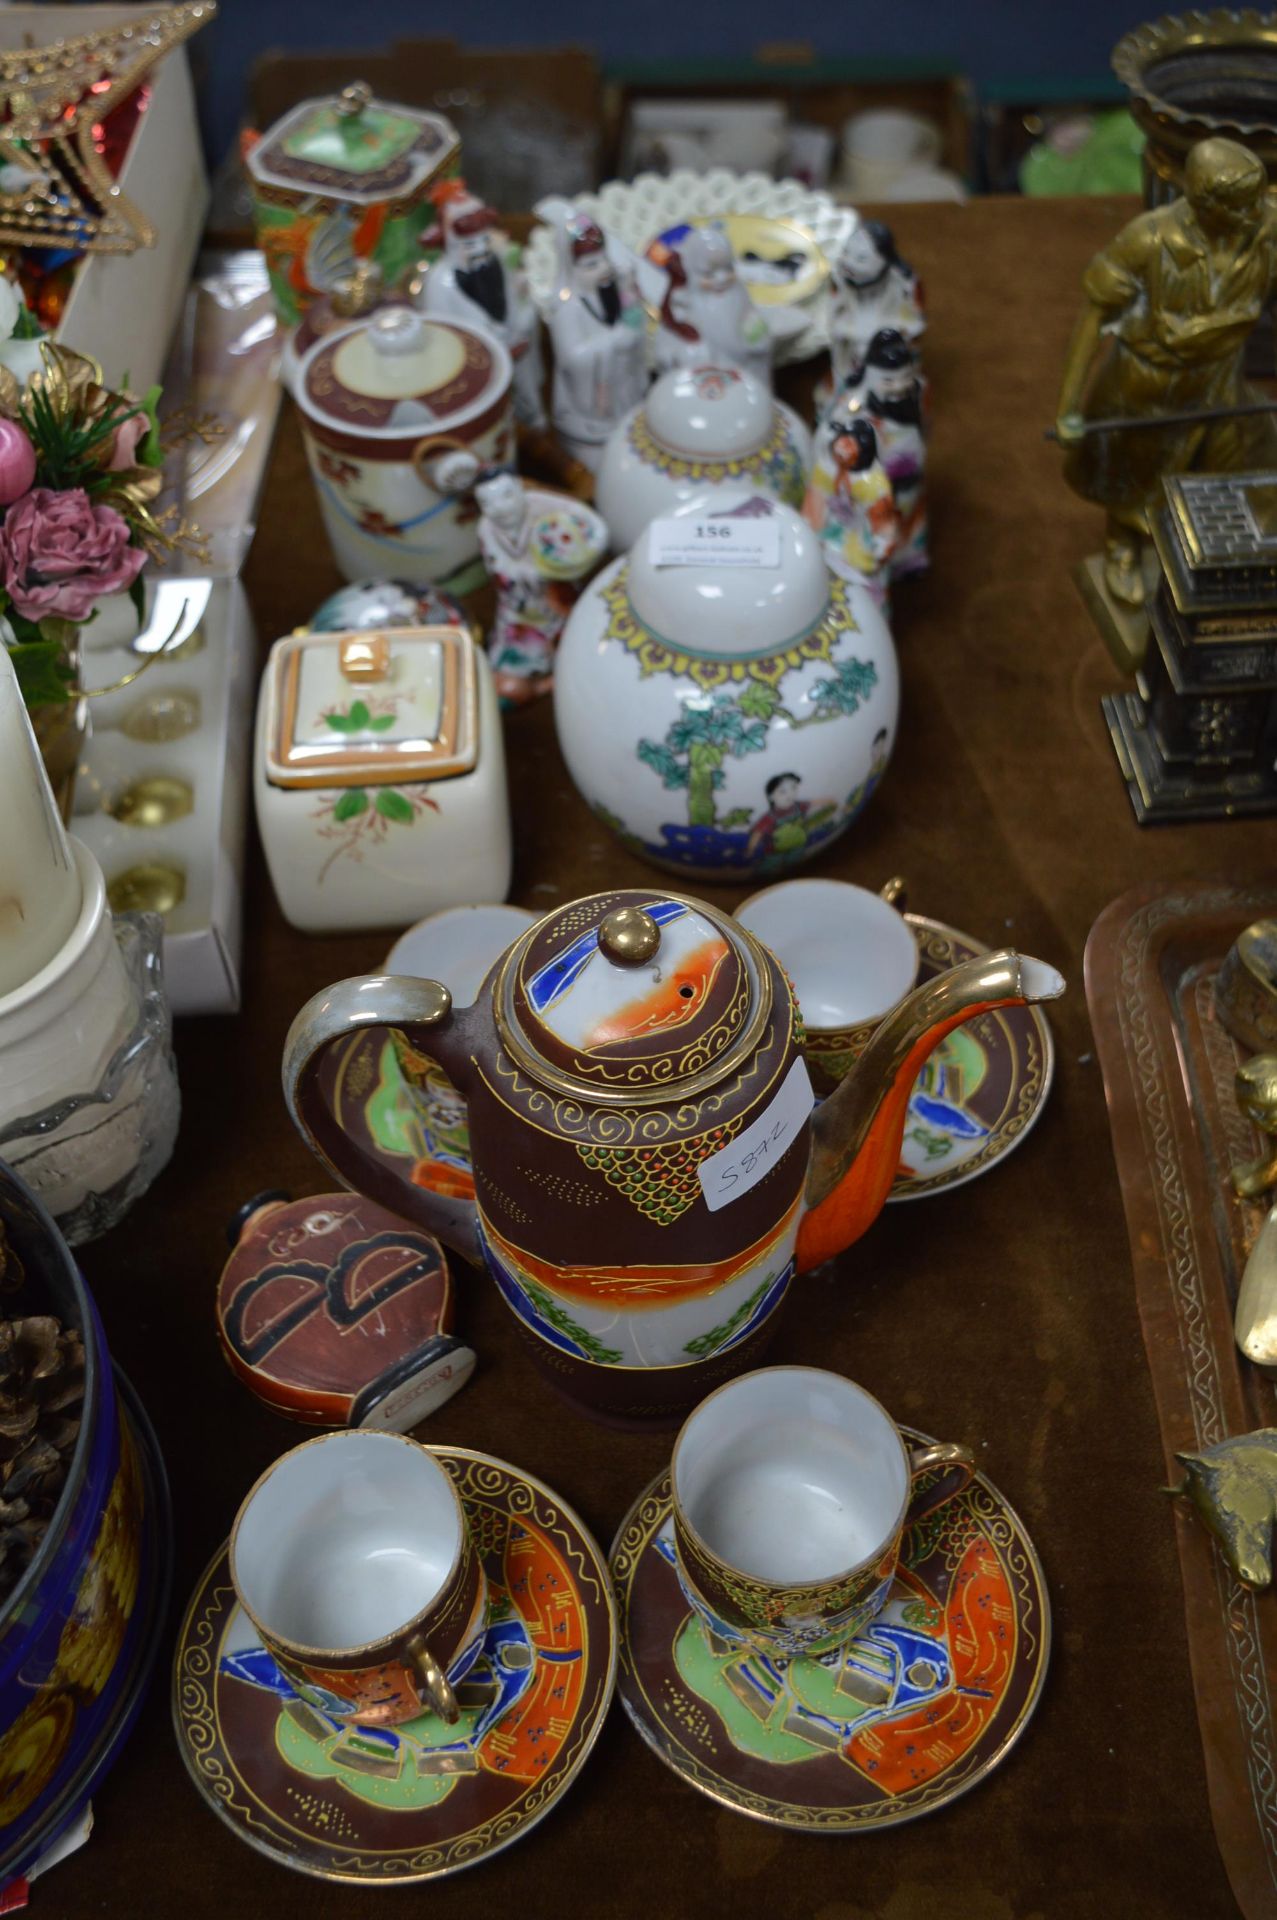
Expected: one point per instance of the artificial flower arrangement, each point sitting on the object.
(80, 472)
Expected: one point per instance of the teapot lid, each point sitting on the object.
(395, 372)
(349, 146)
(633, 997)
(709, 413)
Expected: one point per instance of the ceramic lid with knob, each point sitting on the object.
(366, 708)
(349, 146)
(397, 373)
(633, 997)
(739, 610)
(709, 413)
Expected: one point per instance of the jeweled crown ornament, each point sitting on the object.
(56, 189)
(649, 1174)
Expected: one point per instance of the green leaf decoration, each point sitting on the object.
(150, 453)
(44, 678)
(393, 806)
(380, 721)
(137, 594)
(353, 802)
(26, 326)
(339, 722)
(359, 715)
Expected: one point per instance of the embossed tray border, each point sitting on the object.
(1141, 951)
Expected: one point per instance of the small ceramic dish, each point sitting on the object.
(898, 1722)
(335, 1312)
(699, 428)
(379, 1806)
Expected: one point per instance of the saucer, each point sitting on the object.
(414, 1802)
(899, 1722)
(982, 1089)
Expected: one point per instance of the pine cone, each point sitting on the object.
(41, 1401)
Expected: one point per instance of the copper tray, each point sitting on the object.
(1168, 1067)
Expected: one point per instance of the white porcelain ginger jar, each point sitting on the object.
(379, 777)
(726, 713)
(699, 428)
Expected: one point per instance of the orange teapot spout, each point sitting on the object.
(857, 1133)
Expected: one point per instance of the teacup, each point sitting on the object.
(792, 1489)
(851, 956)
(458, 945)
(352, 1558)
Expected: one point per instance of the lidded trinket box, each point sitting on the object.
(699, 427)
(342, 180)
(379, 777)
(400, 415)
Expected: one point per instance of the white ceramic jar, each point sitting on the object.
(699, 428)
(379, 777)
(400, 415)
(731, 719)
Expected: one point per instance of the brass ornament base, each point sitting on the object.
(1161, 795)
(1124, 630)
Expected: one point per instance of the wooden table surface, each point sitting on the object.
(999, 1313)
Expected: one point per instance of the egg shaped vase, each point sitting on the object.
(727, 721)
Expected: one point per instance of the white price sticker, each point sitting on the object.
(733, 1170)
(714, 540)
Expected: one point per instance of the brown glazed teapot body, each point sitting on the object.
(648, 1171)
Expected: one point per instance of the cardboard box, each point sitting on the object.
(123, 308)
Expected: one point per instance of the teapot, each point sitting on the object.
(650, 1169)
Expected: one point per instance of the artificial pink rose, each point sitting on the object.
(61, 554)
(124, 443)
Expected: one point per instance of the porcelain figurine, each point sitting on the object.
(850, 504)
(727, 720)
(343, 180)
(707, 315)
(400, 415)
(875, 288)
(889, 392)
(474, 283)
(699, 428)
(537, 547)
(649, 1172)
(599, 333)
(379, 776)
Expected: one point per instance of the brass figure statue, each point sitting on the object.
(1256, 1090)
(1153, 380)
(1233, 1485)
(1255, 1320)
(1246, 987)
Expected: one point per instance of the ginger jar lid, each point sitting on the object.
(734, 610)
(633, 997)
(371, 709)
(349, 146)
(397, 373)
(709, 413)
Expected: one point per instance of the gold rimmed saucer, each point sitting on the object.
(899, 1722)
(422, 1800)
